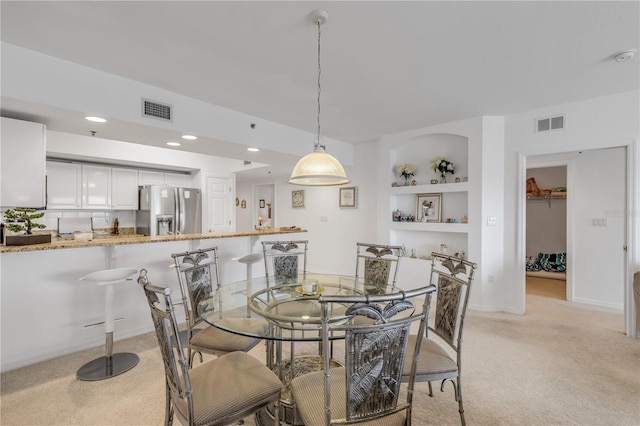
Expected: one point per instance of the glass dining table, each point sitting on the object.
(283, 313)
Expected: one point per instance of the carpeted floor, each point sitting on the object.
(560, 364)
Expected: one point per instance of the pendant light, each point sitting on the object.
(318, 168)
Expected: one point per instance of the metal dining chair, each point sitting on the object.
(197, 269)
(218, 392)
(441, 347)
(367, 389)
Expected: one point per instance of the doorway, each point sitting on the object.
(546, 230)
(596, 225)
(264, 206)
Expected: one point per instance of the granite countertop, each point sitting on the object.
(113, 240)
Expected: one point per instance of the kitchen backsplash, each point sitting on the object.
(101, 219)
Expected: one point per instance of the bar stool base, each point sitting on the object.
(101, 368)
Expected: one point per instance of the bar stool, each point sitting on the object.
(111, 364)
(248, 260)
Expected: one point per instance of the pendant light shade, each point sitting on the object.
(318, 168)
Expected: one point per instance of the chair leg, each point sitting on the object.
(430, 390)
(168, 415)
(459, 398)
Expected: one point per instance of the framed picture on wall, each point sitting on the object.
(429, 208)
(348, 197)
(297, 198)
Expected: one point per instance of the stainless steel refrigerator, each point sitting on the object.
(166, 210)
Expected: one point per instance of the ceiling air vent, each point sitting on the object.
(156, 110)
(550, 123)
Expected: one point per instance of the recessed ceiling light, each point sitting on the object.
(96, 119)
(173, 143)
(189, 137)
(253, 149)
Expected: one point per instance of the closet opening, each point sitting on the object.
(546, 232)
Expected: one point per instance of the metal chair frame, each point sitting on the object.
(374, 352)
(453, 277)
(196, 271)
(176, 366)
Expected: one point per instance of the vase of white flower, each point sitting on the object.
(406, 171)
(442, 166)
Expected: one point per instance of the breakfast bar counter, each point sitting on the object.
(46, 311)
(113, 240)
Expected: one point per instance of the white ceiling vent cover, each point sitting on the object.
(157, 110)
(550, 123)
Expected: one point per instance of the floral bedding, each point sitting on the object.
(550, 262)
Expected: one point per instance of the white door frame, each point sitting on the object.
(632, 258)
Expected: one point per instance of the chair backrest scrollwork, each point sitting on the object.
(453, 277)
(197, 271)
(283, 259)
(380, 263)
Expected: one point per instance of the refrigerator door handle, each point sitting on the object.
(178, 210)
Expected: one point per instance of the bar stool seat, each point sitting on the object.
(248, 260)
(111, 364)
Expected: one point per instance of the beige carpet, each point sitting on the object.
(560, 364)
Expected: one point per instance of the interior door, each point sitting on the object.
(219, 205)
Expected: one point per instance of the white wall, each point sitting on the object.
(244, 219)
(333, 231)
(605, 122)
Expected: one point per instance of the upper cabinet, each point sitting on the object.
(124, 189)
(149, 177)
(64, 185)
(72, 186)
(22, 164)
(96, 187)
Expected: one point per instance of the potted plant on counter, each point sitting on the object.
(20, 220)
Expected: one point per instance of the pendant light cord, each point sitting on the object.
(319, 88)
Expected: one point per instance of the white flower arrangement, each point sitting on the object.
(406, 170)
(442, 165)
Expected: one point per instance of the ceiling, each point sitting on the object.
(387, 66)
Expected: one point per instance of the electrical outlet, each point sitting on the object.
(491, 221)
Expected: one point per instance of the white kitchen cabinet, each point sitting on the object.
(177, 179)
(124, 189)
(147, 177)
(64, 185)
(96, 187)
(22, 164)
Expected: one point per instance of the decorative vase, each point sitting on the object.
(443, 178)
